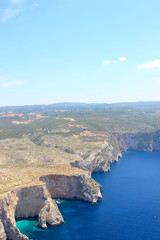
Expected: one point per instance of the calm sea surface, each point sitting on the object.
(130, 209)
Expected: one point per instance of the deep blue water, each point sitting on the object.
(130, 209)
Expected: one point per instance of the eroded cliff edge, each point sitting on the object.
(138, 141)
(100, 160)
(27, 202)
(36, 200)
(31, 186)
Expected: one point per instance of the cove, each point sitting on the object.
(130, 208)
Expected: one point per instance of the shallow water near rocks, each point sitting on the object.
(130, 209)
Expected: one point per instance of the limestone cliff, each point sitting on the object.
(24, 202)
(112, 149)
(81, 187)
(138, 141)
(68, 181)
(2, 232)
(92, 155)
(36, 200)
(99, 161)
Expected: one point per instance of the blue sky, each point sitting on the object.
(79, 51)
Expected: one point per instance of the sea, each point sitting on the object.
(130, 209)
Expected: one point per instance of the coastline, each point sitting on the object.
(36, 200)
(19, 202)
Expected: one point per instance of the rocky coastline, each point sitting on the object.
(99, 161)
(138, 141)
(36, 199)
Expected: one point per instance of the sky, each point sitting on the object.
(94, 51)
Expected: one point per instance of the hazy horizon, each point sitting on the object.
(89, 103)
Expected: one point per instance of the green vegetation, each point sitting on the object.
(95, 118)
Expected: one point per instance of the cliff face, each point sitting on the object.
(37, 200)
(69, 182)
(99, 161)
(81, 187)
(28, 201)
(111, 151)
(138, 141)
(2, 232)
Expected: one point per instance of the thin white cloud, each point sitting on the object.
(10, 13)
(16, 8)
(122, 59)
(108, 62)
(5, 83)
(149, 65)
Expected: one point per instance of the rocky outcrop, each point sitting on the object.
(81, 187)
(50, 214)
(27, 202)
(2, 232)
(112, 150)
(37, 200)
(99, 161)
(138, 141)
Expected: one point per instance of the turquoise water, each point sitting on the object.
(130, 209)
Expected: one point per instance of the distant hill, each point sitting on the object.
(81, 106)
